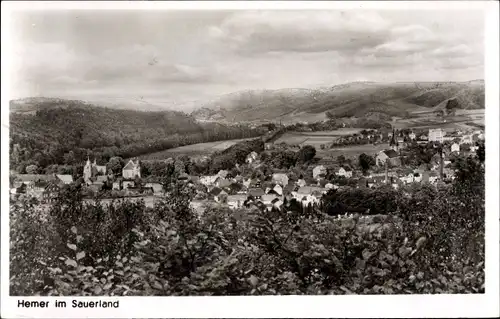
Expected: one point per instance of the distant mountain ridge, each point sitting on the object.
(355, 99)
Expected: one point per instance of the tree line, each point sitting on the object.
(67, 136)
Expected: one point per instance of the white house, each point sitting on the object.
(408, 179)
(301, 183)
(436, 135)
(319, 171)
(66, 179)
(278, 189)
(412, 136)
(329, 186)
(466, 139)
(280, 178)
(222, 173)
(131, 170)
(208, 180)
(455, 147)
(236, 201)
(252, 157)
(346, 172)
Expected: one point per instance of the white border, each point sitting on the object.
(283, 306)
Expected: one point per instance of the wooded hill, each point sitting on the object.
(349, 100)
(58, 131)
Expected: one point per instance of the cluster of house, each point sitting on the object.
(236, 192)
(392, 157)
(39, 185)
(95, 177)
(272, 194)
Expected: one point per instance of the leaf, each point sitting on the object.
(157, 285)
(80, 255)
(71, 246)
(253, 280)
(420, 242)
(119, 264)
(71, 262)
(107, 286)
(79, 238)
(73, 230)
(97, 290)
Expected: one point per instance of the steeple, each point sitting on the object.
(393, 143)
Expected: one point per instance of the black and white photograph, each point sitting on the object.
(247, 152)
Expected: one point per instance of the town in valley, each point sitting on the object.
(245, 184)
(247, 153)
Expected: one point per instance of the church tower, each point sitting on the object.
(393, 143)
(87, 171)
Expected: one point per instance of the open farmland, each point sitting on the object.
(193, 149)
(314, 138)
(326, 137)
(352, 150)
(426, 120)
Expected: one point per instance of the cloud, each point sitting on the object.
(224, 52)
(52, 65)
(459, 50)
(300, 31)
(457, 63)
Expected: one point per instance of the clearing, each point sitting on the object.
(193, 149)
(352, 150)
(314, 138)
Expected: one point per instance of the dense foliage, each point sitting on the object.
(422, 239)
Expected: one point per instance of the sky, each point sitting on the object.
(174, 58)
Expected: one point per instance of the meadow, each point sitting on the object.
(353, 150)
(426, 120)
(314, 138)
(193, 149)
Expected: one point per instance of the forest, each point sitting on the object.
(67, 136)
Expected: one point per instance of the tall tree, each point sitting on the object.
(306, 153)
(366, 161)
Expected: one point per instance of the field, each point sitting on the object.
(326, 137)
(314, 138)
(426, 120)
(193, 150)
(352, 150)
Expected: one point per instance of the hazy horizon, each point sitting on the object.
(181, 57)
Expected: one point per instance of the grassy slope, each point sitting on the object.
(354, 99)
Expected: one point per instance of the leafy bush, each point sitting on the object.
(422, 240)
